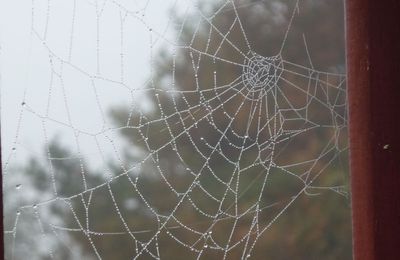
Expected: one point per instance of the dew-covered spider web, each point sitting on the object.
(176, 129)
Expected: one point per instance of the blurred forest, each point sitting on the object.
(316, 226)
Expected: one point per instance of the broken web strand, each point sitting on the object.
(258, 72)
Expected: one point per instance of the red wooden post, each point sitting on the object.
(373, 66)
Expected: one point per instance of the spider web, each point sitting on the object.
(193, 155)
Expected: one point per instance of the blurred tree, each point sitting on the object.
(314, 227)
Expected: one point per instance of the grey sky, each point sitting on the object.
(70, 36)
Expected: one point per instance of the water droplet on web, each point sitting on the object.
(18, 212)
(34, 206)
(18, 186)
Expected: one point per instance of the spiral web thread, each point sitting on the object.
(259, 90)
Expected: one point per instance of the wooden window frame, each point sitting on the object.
(373, 81)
